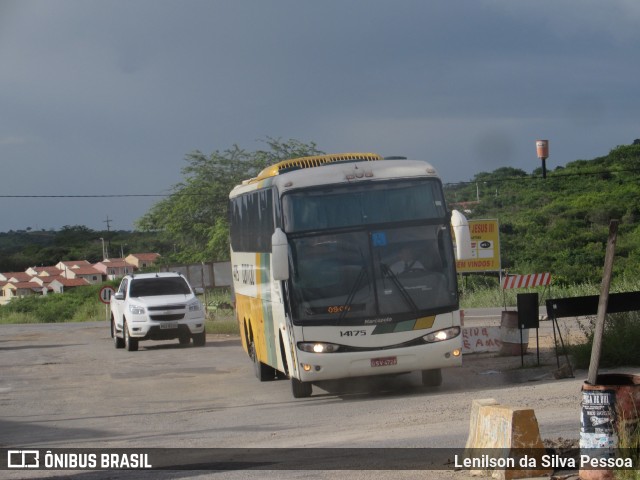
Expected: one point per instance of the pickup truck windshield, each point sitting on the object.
(147, 287)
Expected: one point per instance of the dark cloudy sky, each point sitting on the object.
(105, 97)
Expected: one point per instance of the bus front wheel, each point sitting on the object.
(300, 389)
(432, 378)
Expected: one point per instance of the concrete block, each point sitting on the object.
(501, 431)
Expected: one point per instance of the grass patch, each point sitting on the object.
(79, 304)
(222, 322)
(619, 341)
(485, 292)
(221, 319)
(222, 326)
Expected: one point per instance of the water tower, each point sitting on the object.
(542, 147)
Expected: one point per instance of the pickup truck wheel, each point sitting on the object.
(130, 343)
(117, 341)
(200, 339)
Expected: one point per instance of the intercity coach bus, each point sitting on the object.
(344, 266)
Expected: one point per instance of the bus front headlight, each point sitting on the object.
(318, 347)
(442, 335)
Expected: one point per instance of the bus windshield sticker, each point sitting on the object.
(379, 239)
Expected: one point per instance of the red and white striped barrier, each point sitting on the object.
(526, 281)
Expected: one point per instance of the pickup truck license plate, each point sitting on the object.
(167, 325)
(384, 361)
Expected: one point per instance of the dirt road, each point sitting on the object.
(65, 385)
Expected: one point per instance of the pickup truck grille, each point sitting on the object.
(164, 312)
(166, 317)
(166, 307)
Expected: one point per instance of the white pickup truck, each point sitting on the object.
(156, 306)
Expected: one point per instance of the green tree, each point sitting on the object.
(194, 216)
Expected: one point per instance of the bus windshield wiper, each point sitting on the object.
(387, 272)
(352, 292)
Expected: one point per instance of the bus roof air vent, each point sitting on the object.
(315, 161)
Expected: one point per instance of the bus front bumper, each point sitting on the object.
(314, 367)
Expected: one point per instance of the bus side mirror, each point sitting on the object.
(279, 255)
(463, 235)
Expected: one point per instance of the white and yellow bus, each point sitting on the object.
(344, 266)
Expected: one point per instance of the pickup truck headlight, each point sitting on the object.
(194, 307)
(136, 309)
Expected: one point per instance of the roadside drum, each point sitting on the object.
(609, 416)
(512, 343)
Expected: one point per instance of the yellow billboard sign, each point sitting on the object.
(485, 248)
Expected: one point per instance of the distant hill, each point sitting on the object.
(560, 224)
(22, 249)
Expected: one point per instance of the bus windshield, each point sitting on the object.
(403, 271)
(363, 204)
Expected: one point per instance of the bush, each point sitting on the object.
(80, 304)
(619, 342)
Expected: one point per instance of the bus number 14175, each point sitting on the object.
(352, 333)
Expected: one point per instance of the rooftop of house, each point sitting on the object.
(149, 257)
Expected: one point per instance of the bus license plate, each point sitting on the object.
(167, 325)
(384, 361)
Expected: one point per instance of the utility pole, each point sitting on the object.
(108, 222)
(104, 250)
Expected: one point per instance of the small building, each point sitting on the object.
(142, 260)
(13, 289)
(69, 264)
(15, 277)
(3, 299)
(43, 271)
(60, 284)
(91, 274)
(113, 268)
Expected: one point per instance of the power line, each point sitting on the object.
(552, 176)
(83, 196)
(108, 196)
